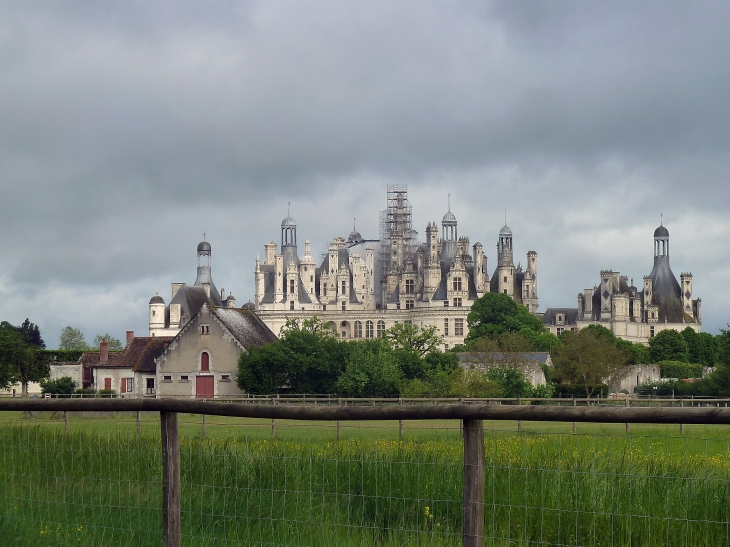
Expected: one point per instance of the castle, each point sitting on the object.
(363, 287)
(631, 313)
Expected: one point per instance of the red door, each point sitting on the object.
(204, 387)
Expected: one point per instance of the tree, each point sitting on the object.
(307, 358)
(60, 386)
(371, 371)
(668, 345)
(10, 341)
(496, 314)
(420, 341)
(588, 359)
(24, 360)
(31, 334)
(72, 338)
(114, 343)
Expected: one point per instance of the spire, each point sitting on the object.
(449, 201)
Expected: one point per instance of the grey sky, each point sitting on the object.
(129, 128)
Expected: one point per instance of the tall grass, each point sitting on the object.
(92, 487)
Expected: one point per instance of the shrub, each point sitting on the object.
(679, 370)
(60, 386)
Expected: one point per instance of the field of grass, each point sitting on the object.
(100, 484)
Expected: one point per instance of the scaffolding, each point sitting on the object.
(396, 222)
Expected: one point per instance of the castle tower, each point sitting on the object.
(157, 313)
(449, 248)
(529, 283)
(667, 294)
(606, 293)
(307, 269)
(505, 263)
(686, 285)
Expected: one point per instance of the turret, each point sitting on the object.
(157, 314)
(686, 285)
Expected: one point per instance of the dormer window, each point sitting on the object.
(204, 329)
(457, 283)
(410, 286)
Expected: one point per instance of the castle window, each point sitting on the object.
(457, 302)
(153, 313)
(410, 286)
(225, 377)
(204, 329)
(166, 379)
(458, 327)
(291, 305)
(184, 378)
(446, 327)
(457, 283)
(344, 287)
(505, 279)
(311, 278)
(324, 307)
(560, 331)
(204, 361)
(409, 304)
(397, 305)
(344, 307)
(446, 303)
(381, 329)
(358, 329)
(291, 286)
(651, 332)
(368, 329)
(505, 291)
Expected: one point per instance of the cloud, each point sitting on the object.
(129, 128)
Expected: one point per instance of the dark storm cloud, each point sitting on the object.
(128, 128)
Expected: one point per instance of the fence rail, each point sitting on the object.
(470, 413)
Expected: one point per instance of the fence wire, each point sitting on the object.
(286, 482)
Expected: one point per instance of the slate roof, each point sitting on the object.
(571, 315)
(479, 357)
(245, 326)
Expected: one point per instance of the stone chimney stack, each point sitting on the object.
(103, 351)
(130, 336)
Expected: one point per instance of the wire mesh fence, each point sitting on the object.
(97, 479)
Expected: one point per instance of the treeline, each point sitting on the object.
(407, 361)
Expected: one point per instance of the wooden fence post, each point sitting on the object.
(339, 424)
(65, 421)
(171, 533)
(205, 427)
(139, 423)
(628, 425)
(574, 426)
(400, 422)
(473, 504)
(681, 426)
(519, 422)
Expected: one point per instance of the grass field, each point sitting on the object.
(100, 484)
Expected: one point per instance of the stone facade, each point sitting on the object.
(362, 287)
(202, 359)
(634, 314)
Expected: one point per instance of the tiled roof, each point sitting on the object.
(139, 355)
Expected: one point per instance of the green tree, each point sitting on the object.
(31, 334)
(668, 345)
(307, 358)
(420, 341)
(587, 359)
(72, 338)
(24, 360)
(372, 371)
(114, 343)
(60, 386)
(496, 314)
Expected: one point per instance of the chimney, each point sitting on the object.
(206, 286)
(223, 294)
(130, 336)
(103, 351)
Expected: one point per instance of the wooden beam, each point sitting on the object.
(537, 413)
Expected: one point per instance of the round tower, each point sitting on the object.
(157, 314)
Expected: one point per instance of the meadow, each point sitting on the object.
(100, 483)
